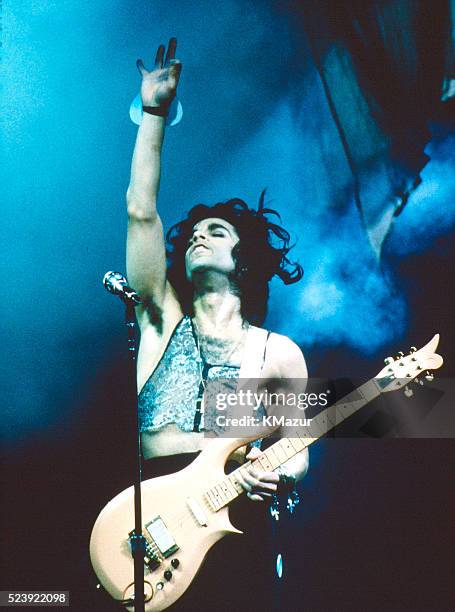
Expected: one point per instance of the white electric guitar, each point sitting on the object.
(185, 513)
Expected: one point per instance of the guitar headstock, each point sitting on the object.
(404, 368)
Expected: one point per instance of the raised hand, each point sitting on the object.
(160, 84)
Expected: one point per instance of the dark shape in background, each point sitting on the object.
(384, 66)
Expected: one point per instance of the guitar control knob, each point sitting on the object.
(168, 575)
(175, 563)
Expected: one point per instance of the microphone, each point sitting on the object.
(117, 284)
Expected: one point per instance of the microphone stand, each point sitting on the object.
(116, 283)
(137, 540)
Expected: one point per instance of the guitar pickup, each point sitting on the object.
(161, 537)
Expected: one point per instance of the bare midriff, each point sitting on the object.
(170, 440)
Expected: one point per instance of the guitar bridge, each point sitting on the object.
(151, 557)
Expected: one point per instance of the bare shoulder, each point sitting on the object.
(286, 357)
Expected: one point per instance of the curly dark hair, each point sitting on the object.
(260, 254)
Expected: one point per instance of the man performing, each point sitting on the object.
(200, 299)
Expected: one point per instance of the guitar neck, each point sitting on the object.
(228, 489)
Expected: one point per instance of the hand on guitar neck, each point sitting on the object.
(259, 484)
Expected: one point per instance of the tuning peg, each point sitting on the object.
(429, 376)
(389, 360)
(400, 355)
(418, 381)
(412, 349)
(408, 392)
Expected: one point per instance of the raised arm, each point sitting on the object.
(146, 256)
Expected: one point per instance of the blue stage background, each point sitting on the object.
(255, 116)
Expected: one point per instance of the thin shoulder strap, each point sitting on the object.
(252, 363)
(254, 353)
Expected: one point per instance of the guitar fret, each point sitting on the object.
(323, 421)
(235, 483)
(229, 489)
(348, 409)
(212, 499)
(306, 438)
(217, 496)
(223, 496)
(335, 415)
(279, 453)
(328, 414)
(208, 501)
(314, 430)
(265, 463)
(222, 488)
(286, 446)
(370, 390)
(342, 409)
(272, 457)
(297, 444)
(244, 468)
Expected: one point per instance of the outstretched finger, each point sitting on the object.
(255, 497)
(175, 69)
(159, 57)
(172, 46)
(141, 67)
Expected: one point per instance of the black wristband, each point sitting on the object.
(286, 483)
(159, 111)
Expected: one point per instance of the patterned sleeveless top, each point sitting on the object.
(173, 392)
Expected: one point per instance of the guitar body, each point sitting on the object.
(193, 526)
(185, 513)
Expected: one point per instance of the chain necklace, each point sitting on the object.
(220, 358)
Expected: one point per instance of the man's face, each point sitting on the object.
(210, 247)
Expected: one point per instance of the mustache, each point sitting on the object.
(197, 244)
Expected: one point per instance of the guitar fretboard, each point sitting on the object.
(225, 491)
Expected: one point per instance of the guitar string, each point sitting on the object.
(177, 520)
(188, 515)
(184, 519)
(176, 523)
